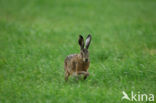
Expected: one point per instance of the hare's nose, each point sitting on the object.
(86, 60)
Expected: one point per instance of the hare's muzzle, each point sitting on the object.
(86, 60)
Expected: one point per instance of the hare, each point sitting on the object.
(77, 64)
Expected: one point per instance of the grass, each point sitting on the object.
(37, 35)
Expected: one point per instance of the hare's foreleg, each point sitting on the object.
(86, 74)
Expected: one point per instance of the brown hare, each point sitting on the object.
(77, 64)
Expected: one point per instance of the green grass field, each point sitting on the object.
(37, 35)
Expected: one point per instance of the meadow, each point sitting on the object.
(37, 35)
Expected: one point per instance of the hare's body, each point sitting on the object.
(77, 64)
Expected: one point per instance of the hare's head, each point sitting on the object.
(84, 50)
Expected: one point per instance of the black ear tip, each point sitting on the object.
(80, 36)
(89, 35)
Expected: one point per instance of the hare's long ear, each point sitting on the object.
(81, 42)
(88, 40)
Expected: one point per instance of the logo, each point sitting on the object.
(137, 97)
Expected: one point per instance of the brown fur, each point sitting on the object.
(77, 64)
(74, 65)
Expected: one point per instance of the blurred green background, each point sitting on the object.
(37, 35)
